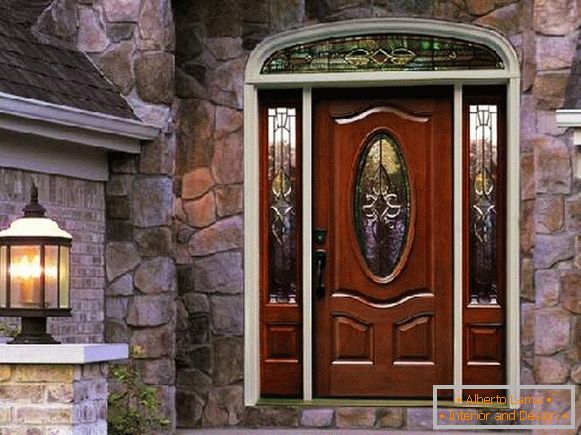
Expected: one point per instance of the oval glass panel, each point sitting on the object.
(382, 205)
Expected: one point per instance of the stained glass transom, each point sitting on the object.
(282, 148)
(382, 205)
(483, 203)
(383, 52)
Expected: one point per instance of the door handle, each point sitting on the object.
(320, 264)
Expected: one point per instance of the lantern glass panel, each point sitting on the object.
(51, 263)
(3, 277)
(64, 301)
(25, 272)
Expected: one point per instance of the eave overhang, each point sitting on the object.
(67, 123)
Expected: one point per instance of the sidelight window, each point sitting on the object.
(282, 212)
(484, 235)
(281, 275)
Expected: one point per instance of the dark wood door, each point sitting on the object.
(383, 194)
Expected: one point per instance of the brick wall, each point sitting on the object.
(79, 208)
(53, 399)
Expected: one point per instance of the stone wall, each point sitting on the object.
(210, 62)
(132, 43)
(53, 399)
(213, 42)
(140, 308)
(79, 208)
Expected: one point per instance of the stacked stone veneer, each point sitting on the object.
(209, 333)
(53, 399)
(79, 208)
(141, 272)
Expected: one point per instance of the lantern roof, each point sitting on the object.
(34, 223)
(34, 227)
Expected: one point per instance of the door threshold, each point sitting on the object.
(331, 401)
(372, 403)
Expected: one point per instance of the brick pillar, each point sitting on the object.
(55, 389)
(53, 399)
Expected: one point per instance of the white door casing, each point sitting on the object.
(510, 76)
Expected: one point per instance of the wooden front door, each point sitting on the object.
(382, 266)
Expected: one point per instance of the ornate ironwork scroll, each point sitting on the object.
(382, 204)
(382, 52)
(483, 203)
(282, 204)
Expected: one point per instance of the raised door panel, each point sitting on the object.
(484, 344)
(282, 342)
(281, 351)
(413, 340)
(353, 340)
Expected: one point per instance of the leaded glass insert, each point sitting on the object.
(382, 52)
(382, 205)
(483, 203)
(282, 204)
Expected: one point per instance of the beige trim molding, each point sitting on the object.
(467, 32)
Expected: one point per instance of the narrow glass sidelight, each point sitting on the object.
(280, 244)
(483, 130)
(484, 204)
(382, 206)
(282, 204)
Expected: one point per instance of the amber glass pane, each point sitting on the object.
(64, 301)
(382, 205)
(3, 277)
(383, 52)
(25, 271)
(51, 258)
(282, 180)
(483, 203)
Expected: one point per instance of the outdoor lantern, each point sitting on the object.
(34, 272)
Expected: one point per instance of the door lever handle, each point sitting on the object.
(320, 264)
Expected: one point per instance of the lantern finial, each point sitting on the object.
(33, 208)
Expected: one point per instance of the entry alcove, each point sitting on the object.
(383, 53)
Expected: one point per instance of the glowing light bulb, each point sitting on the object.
(26, 268)
(26, 271)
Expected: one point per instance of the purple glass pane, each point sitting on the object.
(282, 179)
(483, 203)
(382, 205)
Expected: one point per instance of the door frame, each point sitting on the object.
(254, 80)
